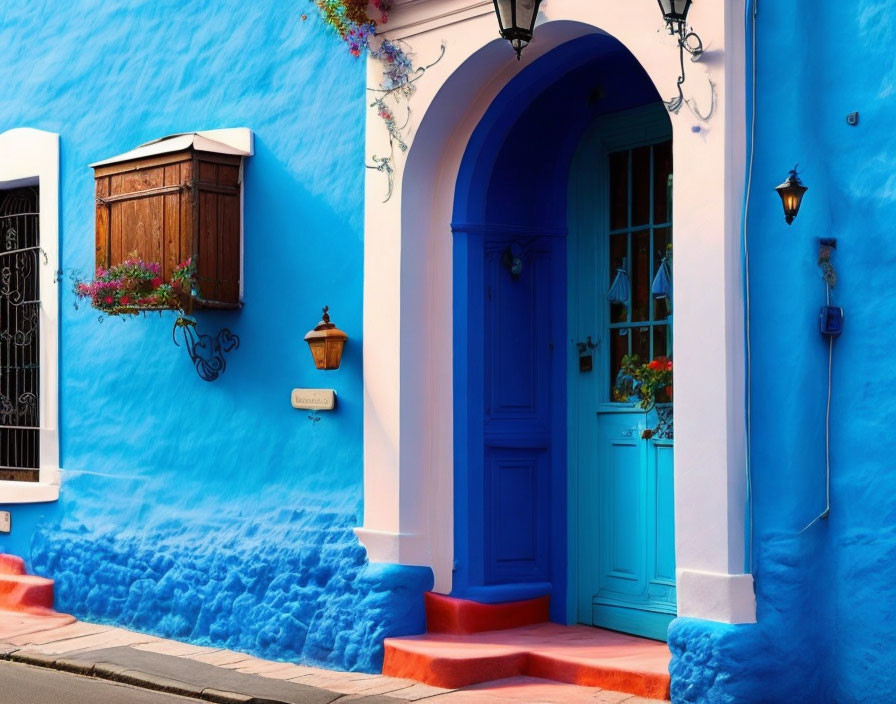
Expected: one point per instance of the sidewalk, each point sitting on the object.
(217, 675)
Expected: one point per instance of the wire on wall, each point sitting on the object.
(754, 10)
(830, 279)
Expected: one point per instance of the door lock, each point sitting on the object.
(586, 357)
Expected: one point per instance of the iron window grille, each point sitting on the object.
(20, 254)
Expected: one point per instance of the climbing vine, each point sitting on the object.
(353, 24)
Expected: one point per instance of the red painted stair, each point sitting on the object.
(468, 643)
(23, 592)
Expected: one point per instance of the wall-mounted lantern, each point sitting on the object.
(517, 21)
(675, 14)
(675, 11)
(326, 342)
(791, 192)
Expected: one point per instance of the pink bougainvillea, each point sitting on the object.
(136, 285)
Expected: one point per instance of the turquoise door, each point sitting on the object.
(620, 456)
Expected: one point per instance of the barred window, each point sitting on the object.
(20, 255)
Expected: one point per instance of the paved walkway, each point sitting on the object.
(226, 676)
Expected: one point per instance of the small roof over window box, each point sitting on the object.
(176, 198)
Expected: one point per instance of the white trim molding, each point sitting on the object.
(408, 314)
(31, 157)
(728, 598)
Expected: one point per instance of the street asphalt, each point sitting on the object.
(24, 684)
(190, 680)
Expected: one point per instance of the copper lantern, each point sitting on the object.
(326, 342)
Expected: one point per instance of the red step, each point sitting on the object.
(445, 614)
(23, 592)
(459, 651)
(11, 564)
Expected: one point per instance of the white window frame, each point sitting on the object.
(30, 157)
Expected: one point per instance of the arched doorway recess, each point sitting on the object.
(410, 332)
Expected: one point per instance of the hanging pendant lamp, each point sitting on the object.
(517, 22)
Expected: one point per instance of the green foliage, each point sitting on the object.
(651, 382)
(135, 285)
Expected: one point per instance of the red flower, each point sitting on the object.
(125, 300)
(156, 282)
(109, 299)
(660, 364)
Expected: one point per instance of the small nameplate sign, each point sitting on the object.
(314, 399)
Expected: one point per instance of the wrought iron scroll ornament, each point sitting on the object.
(206, 352)
(688, 41)
(664, 429)
(21, 257)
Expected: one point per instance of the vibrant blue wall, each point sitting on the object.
(212, 512)
(217, 513)
(825, 595)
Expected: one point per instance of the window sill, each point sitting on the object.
(28, 492)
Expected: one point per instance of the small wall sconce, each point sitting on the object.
(326, 342)
(512, 259)
(791, 192)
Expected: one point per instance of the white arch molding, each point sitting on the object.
(408, 385)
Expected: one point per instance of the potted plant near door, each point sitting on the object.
(649, 386)
(645, 384)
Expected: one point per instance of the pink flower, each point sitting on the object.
(109, 299)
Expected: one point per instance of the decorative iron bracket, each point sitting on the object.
(206, 352)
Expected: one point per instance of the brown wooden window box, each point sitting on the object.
(176, 198)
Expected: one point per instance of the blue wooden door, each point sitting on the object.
(620, 218)
(517, 431)
(510, 426)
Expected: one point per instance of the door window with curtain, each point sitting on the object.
(640, 236)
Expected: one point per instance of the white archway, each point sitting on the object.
(408, 386)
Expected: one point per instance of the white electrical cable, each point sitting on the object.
(827, 430)
(749, 400)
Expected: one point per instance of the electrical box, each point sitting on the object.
(830, 321)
